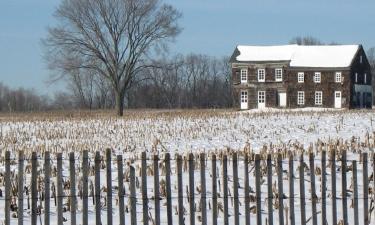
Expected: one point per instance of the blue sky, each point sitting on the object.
(209, 27)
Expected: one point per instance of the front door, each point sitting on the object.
(261, 99)
(244, 100)
(282, 99)
(337, 99)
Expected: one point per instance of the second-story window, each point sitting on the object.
(278, 74)
(243, 75)
(261, 75)
(360, 59)
(338, 78)
(317, 77)
(301, 77)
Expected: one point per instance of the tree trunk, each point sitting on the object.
(119, 103)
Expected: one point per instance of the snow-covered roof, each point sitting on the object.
(300, 55)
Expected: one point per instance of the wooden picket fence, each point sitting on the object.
(276, 199)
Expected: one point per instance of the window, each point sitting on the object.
(317, 77)
(300, 98)
(301, 77)
(243, 96)
(338, 77)
(261, 96)
(361, 59)
(365, 78)
(318, 98)
(243, 75)
(356, 77)
(278, 74)
(261, 75)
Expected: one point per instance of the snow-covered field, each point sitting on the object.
(189, 131)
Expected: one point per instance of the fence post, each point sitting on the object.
(313, 191)
(355, 193)
(247, 190)
(323, 189)
(291, 189)
(156, 189)
(20, 187)
(109, 186)
(59, 188)
(97, 189)
(168, 187)
(257, 190)
(180, 193)
(34, 192)
(281, 191)
(120, 174)
(191, 189)
(7, 187)
(302, 189)
(333, 187)
(269, 190)
(47, 187)
(214, 190)
(72, 189)
(365, 188)
(225, 189)
(235, 189)
(343, 187)
(203, 189)
(144, 189)
(85, 175)
(133, 198)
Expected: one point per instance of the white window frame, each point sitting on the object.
(356, 77)
(261, 97)
(317, 77)
(301, 77)
(300, 98)
(243, 76)
(365, 78)
(318, 98)
(244, 96)
(338, 77)
(261, 75)
(278, 74)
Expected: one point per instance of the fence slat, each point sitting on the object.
(109, 185)
(34, 192)
(257, 190)
(7, 187)
(180, 191)
(73, 197)
(355, 193)
(133, 199)
(168, 187)
(85, 179)
(333, 187)
(144, 189)
(343, 188)
(156, 189)
(269, 190)
(191, 189)
(97, 189)
(214, 190)
(280, 187)
(203, 188)
(247, 190)
(365, 188)
(59, 188)
(225, 189)
(291, 189)
(302, 189)
(314, 197)
(121, 192)
(235, 189)
(20, 187)
(323, 189)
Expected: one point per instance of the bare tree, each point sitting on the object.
(111, 38)
(306, 40)
(371, 59)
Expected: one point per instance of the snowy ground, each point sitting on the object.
(190, 131)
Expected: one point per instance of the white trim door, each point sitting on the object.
(244, 100)
(282, 99)
(261, 99)
(338, 99)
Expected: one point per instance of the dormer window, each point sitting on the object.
(261, 75)
(243, 75)
(279, 74)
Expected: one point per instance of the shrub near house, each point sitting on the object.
(292, 76)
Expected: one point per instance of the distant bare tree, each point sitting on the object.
(371, 59)
(306, 40)
(111, 38)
